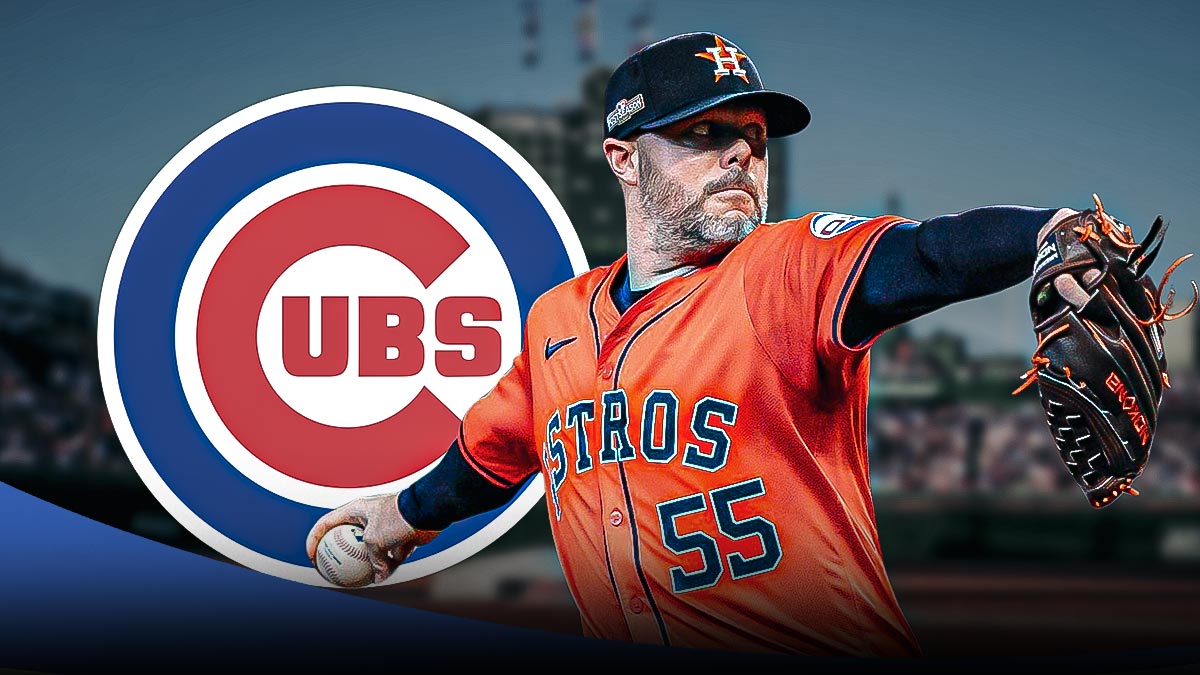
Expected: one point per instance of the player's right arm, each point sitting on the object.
(916, 268)
(484, 468)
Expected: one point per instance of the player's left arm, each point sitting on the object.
(916, 268)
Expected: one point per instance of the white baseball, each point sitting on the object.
(342, 557)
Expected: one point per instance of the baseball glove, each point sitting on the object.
(1099, 362)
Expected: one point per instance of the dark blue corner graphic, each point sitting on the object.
(79, 596)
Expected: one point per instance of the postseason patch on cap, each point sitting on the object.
(625, 109)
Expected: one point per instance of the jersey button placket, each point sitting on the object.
(641, 621)
(618, 545)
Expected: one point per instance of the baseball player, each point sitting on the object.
(697, 409)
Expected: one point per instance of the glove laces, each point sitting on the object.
(1122, 237)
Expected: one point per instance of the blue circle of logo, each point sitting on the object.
(200, 238)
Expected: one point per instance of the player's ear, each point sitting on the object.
(622, 159)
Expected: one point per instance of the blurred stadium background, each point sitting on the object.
(991, 547)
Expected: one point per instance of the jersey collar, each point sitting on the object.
(611, 320)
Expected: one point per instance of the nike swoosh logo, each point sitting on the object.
(551, 348)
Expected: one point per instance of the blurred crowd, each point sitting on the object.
(993, 448)
(52, 412)
(942, 423)
(59, 423)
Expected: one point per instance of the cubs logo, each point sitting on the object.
(830, 225)
(304, 303)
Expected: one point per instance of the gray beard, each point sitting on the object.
(679, 226)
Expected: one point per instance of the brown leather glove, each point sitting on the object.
(1099, 363)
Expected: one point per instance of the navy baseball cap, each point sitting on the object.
(686, 74)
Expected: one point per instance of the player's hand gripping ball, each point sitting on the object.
(342, 557)
(382, 537)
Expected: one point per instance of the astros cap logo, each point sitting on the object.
(728, 60)
(304, 303)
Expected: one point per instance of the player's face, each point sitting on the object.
(704, 178)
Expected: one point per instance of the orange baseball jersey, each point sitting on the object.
(704, 453)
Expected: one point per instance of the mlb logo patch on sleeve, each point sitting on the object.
(830, 225)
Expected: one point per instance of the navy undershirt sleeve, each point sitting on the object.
(450, 492)
(917, 268)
